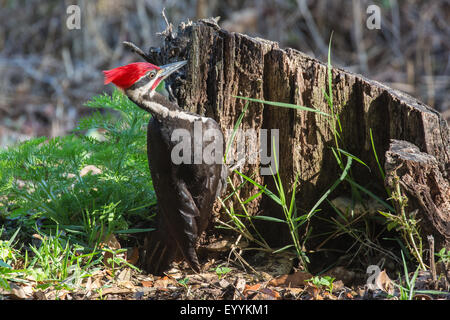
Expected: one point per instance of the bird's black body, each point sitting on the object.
(185, 192)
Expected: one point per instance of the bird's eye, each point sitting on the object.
(152, 74)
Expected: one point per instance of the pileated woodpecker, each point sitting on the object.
(185, 191)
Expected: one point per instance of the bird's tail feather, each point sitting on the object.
(191, 257)
(159, 253)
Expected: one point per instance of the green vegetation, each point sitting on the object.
(74, 191)
(325, 281)
(221, 271)
(406, 285)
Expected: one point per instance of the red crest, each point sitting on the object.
(125, 76)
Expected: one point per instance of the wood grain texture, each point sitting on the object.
(223, 64)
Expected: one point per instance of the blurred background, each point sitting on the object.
(47, 71)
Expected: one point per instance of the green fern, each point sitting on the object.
(41, 184)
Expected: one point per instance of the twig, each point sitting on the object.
(303, 6)
(134, 48)
(432, 262)
(360, 48)
(168, 31)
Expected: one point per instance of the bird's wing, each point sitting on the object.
(180, 217)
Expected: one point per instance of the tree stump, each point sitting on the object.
(428, 192)
(222, 65)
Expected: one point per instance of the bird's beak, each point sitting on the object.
(170, 68)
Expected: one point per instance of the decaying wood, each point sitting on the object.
(222, 65)
(427, 190)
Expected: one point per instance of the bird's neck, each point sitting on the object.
(164, 110)
(155, 103)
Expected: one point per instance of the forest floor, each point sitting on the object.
(260, 276)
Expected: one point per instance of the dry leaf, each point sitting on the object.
(252, 288)
(97, 284)
(162, 283)
(338, 285)
(92, 285)
(17, 293)
(60, 294)
(314, 292)
(39, 295)
(329, 295)
(266, 294)
(90, 169)
(113, 290)
(422, 297)
(147, 284)
(208, 264)
(126, 284)
(384, 283)
(133, 256)
(295, 291)
(296, 279)
(124, 279)
(224, 283)
(112, 243)
(88, 284)
(239, 288)
(124, 275)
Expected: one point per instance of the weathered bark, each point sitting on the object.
(223, 65)
(427, 191)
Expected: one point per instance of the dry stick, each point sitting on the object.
(168, 31)
(432, 262)
(134, 48)
(303, 6)
(164, 16)
(360, 48)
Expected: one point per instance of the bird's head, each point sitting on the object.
(140, 78)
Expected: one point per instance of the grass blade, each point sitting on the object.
(335, 184)
(236, 126)
(348, 154)
(269, 193)
(284, 248)
(372, 195)
(375, 154)
(268, 218)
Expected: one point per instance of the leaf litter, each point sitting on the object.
(265, 282)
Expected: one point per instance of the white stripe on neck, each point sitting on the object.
(164, 112)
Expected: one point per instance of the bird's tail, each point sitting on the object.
(191, 257)
(159, 252)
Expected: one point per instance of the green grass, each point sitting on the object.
(407, 285)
